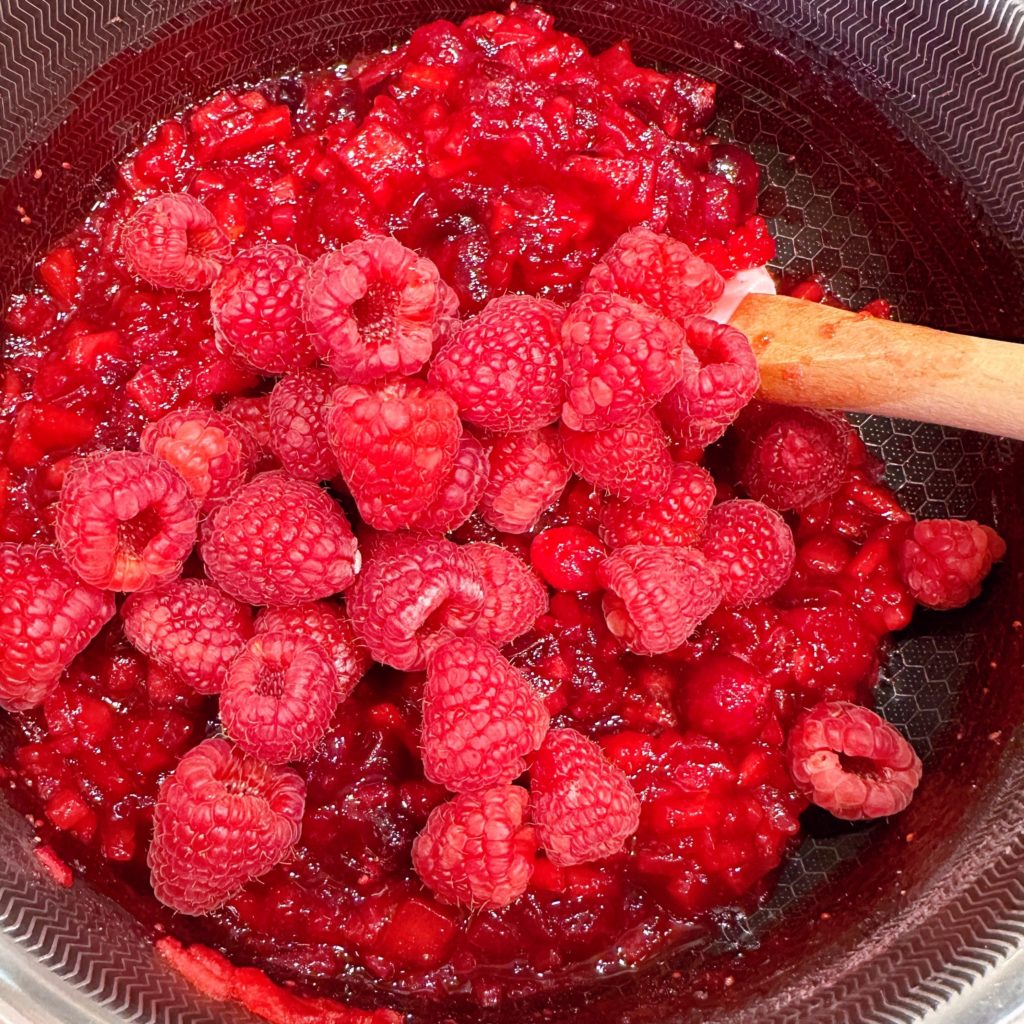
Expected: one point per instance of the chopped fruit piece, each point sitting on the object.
(222, 819)
(725, 698)
(280, 541)
(851, 762)
(125, 520)
(480, 717)
(584, 806)
(230, 126)
(568, 558)
(298, 424)
(527, 475)
(477, 850)
(459, 496)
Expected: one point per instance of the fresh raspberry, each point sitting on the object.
(797, 458)
(700, 408)
(568, 558)
(221, 819)
(280, 694)
(125, 520)
(675, 517)
(659, 271)
(257, 309)
(481, 717)
(173, 241)
(280, 541)
(190, 628)
(459, 496)
(211, 451)
(944, 561)
(751, 547)
(584, 806)
(619, 358)
(851, 762)
(326, 624)
(47, 618)
(404, 600)
(504, 365)
(298, 424)
(630, 461)
(253, 413)
(656, 596)
(374, 308)
(725, 698)
(527, 475)
(477, 850)
(395, 443)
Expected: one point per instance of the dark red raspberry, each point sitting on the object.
(630, 461)
(619, 359)
(659, 271)
(675, 517)
(568, 558)
(173, 241)
(700, 408)
(125, 520)
(725, 698)
(211, 451)
(584, 806)
(459, 496)
(190, 628)
(221, 819)
(374, 308)
(945, 561)
(852, 763)
(504, 366)
(656, 596)
(257, 309)
(481, 717)
(280, 694)
(298, 424)
(527, 475)
(329, 626)
(395, 443)
(47, 618)
(253, 413)
(278, 540)
(477, 850)
(751, 547)
(403, 600)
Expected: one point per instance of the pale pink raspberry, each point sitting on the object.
(298, 424)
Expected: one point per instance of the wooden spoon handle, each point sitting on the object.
(828, 358)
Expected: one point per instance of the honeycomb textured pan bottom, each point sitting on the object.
(888, 923)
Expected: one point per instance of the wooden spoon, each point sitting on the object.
(826, 358)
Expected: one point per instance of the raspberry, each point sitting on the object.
(190, 628)
(326, 624)
(480, 717)
(477, 850)
(675, 517)
(279, 697)
(584, 806)
(700, 408)
(527, 475)
(374, 307)
(257, 309)
(657, 596)
(619, 358)
(851, 762)
(173, 241)
(725, 698)
(209, 449)
(631, 461)
(504, 366)
(944, 561)
(279, 541)
(253, 413)
(298, 424)
(568, 558)
(125, 520)
(405, 599)
(797, 458)
(47, 618)
(221, 819)
(395, 444)
(751, 547)
(658, 271)
(455, 502)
